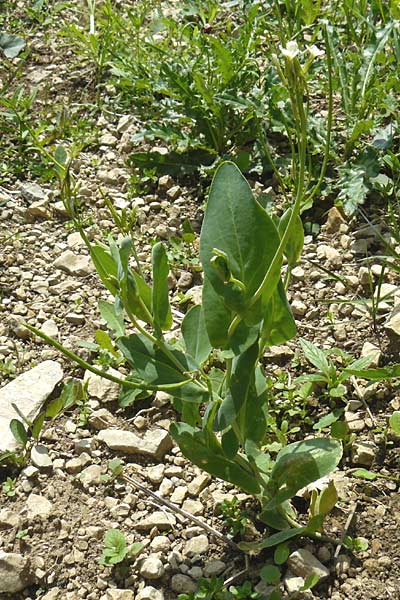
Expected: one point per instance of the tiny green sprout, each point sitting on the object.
(116, 550)
(9, 487)
(358, 544)
(21, 534)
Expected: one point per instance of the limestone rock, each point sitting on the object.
(152, 568)
(194, 507)
(120, 595)
(37, 210)
(364, 453)
(198, 484)
(160, 543)
(150, 593)
(38, 506)
(163, 521)
(373, 352)
(293, 583)
(214, 568)
(334, 220)
(53, 594)
(9, 519)
(50, 328)
(40, 457)
(101, 419)
(74, 264)
(303, 564)
(154, 443)
(32, 192)
(182, 584)
(156, 473)
(29, 392)
(91, 475)
(392, 325)
(15, 573)
(102, 389)
(196, 545)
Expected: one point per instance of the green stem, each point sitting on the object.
(85, 365)
(298, 109)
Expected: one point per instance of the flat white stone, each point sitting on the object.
(28, 392)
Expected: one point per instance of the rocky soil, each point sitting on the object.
(53, 519)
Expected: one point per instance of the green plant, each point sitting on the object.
(329, 375)
(244, 310)
(8, 367)
(116, 550)
(215, 589)
(234, 517)
(8, 487)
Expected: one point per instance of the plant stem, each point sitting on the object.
(85, 365)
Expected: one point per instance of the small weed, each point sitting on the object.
(234, 517)
(8, 487)
(116, 549)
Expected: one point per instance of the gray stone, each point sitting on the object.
(29, 392)
(198, 484)
(53, 594)
(150, 593)
(120, 595)
(154, 443)
(38, 506)
(32, 192)
(182, 584)
(75, 318)
(38, 210)
(74, 240)
(40, 457)
(103, 389)
(74, 264)
(179, 494)
(331, 254)
(161, 399)
(293, 583)
(160, 543)
(50, 328)
(185, 280)
(163, 521)
(152, 568)
(195, 294)
(73, 466)
(9, 519)
(299, 308)
(194, 507)
(214, 568)
(101, 419)
(334, 220)
(156, 473)
(196, 545)
(108, 139)
(354, 421)
(15, 573)
(392, 325)
(91, 475)
(363, 453)
(174, 192)
(303, 564)
(373, 352)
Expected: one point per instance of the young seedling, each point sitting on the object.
(116, 550)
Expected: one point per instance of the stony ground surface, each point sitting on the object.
(52, 522)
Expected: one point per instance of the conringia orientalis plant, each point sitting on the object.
(223, 425)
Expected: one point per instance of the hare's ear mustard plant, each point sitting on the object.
(223, 426)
